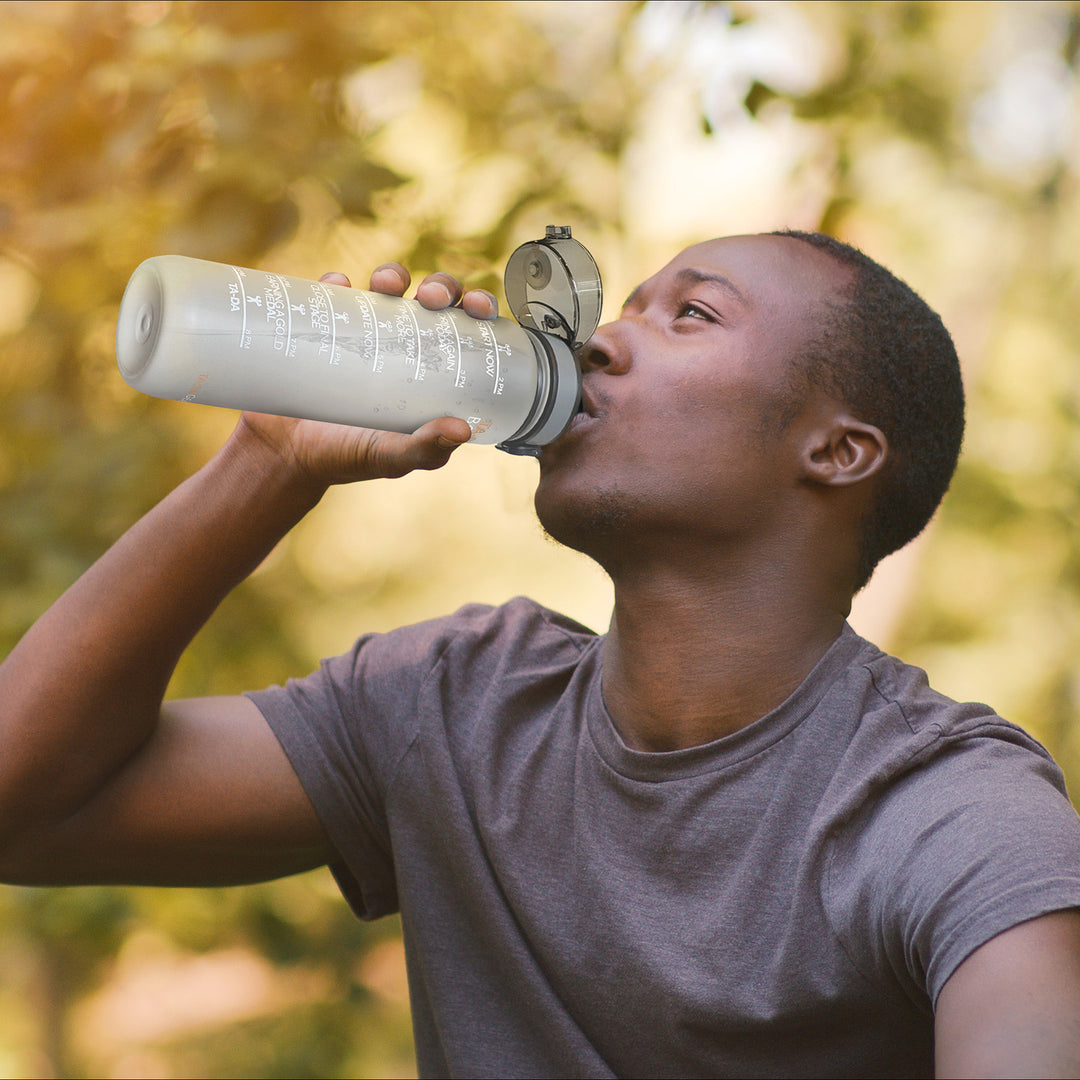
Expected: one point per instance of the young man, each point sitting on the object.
(727, 838)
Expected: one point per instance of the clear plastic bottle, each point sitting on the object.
(192, 330)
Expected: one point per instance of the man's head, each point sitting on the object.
(707, 401)
(887, 355)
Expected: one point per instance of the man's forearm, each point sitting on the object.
(91, 771)
(82, 691)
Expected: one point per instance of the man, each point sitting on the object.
(728, 838)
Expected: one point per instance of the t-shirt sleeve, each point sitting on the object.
(345, 729)
(971, 842)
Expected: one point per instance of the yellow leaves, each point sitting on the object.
(308, 137)
(19, 288)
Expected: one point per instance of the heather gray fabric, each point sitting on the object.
(786, 901)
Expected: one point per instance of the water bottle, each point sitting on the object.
(192, 330)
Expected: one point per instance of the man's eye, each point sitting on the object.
(693, 310)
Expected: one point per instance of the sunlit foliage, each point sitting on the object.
(302, 137)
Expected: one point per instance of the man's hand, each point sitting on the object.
(336, 454)
(1012, 1008)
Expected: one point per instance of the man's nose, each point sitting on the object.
(607, 350)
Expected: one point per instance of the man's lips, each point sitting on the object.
(587, 406)
(585, 414)
(589, 409)
(578, 420)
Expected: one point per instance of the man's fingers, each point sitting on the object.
(335, 278)
(480, 304)
(435, 292)
(445, 433)
(390, 278)
(429, 447)
(438, 291)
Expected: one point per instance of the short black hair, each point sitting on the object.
(887, 355)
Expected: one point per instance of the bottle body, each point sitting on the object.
(192, 330)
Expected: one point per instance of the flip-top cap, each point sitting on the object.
(553, 285)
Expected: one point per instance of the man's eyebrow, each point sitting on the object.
(695, 275)
(692, 274)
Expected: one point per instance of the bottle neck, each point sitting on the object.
(558, 395)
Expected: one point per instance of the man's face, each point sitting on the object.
(688, 400)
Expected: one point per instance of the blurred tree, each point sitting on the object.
(945, 140)
(227, 131)
(941, 137)
(975, 108)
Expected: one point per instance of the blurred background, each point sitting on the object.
(943, 138)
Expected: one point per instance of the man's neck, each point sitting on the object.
(687, 660)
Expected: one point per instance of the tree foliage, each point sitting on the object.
(943, 138)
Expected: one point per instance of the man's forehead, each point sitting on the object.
(765, 262)
(767, 271)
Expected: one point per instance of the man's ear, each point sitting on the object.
(844, 451)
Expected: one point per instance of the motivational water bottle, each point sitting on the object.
(192, 330)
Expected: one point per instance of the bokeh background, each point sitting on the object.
(943, 138)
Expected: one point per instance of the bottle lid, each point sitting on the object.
(553, 285)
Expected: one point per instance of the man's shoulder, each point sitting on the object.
(894, 696)
(520, 624)
(957, 827)
(919, 764)
(476, 638)
(520, 615)
(952, 728)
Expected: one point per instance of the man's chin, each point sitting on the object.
(586, 524)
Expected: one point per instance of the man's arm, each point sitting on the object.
(1012, 1008)
(101, 782)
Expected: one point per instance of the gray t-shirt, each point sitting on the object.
(785, 901)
